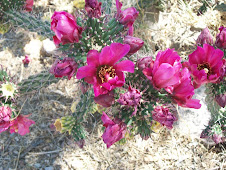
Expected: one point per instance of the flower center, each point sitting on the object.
(105, 73)
(206, 67)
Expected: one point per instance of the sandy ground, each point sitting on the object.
(43, 148)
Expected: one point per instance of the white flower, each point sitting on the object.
(8, 90)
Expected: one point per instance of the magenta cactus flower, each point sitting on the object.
(183, 91)
(21, 125)
(144, 63)
(103, 71)
(134, 42)
(126, 17)
(221, 38)
(163, 116)
(205, 65)
(93, 8)
(114, 130)
(166, 69)
(205, 37)
(105, 100)
(131, 98)
(65, 67)
(65, 27)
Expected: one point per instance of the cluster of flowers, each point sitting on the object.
(10, 119)
(164, 80)
(216, 129)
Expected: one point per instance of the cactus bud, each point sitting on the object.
(221, 38)
(144, 63)
(93, 8)
(205, 37)
(134, 42)
(26, 60)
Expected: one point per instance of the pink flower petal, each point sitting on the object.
(86, 71)
(56, 40)
(197, 57)
(121, 79)
(216, 58)
(125, 65)
(106, 56)
(165, 76)
(106, 120)
(193, 103)
(107, 86)
(119, 50)
(93, 58)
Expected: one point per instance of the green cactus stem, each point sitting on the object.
(36, 82)
(29, 22)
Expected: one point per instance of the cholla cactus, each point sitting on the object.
(6, 5)
(97, 48)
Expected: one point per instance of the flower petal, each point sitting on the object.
(165, 76)
(197, 57)
(106, 56)
(106, 120)
(193, 103)
(86, 71)
(120, 50)
(125, 65)
(216, 58)
(93, 58)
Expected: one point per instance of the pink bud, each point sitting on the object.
(221, 38)
(205, 37)
(65, 67)
(145, 62)
(126, 17)
(65, 27)
(163, 116)
(221, 100)
(130, 98)
(26, 60)
(93, 8)
(29, 5)
(134, 42)
(217, 138)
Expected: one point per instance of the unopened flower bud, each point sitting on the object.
(144, 63)
(163, 116)
(205, 37)
(93, 8)
(26, 60)
(130, 98)
(65, 67)
(221, 38)
(221, 99)
(134, 42)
